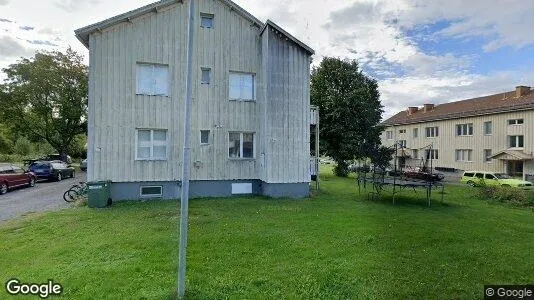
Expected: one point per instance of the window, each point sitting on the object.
(431, 153)
(415, 132)
(431, 131)
(487, 154)
(515, 122)
(515, 141)
(241, 86)
(206, 20)
(415, 153)
(464, 129)
(488, 128)
(402, 143)
(152, 79)
(240, 145)
(402, 131)
(204, 137)
(465, 155)
(151, 144)
(389, 135)
(206, 76)
(479, 175)
(151, 191)
(18, 170)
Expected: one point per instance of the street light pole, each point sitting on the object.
(184, 199)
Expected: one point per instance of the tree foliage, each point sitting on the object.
(45, 97)
(350, 111)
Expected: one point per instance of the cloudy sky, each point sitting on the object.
(420, 51)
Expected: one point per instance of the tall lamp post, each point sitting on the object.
(184, 199)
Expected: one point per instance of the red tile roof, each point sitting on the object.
(498, 103)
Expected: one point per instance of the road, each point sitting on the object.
(44, 196)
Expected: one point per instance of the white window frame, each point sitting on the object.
(485, 127)
(207, 16)
(415, 133)
(402, 143)
(432, 132)
(464, 129)
(519, 121)
(253, 85)
(516, 143)
(389, 135)
(486, 156)
(464, 155)
(241, 145)
(151, 195)
(151, 157)
(153, 91)
(402, 131)
(209, 134)
(202, 70)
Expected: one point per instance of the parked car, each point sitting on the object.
(52, 170)
(421, 175)
(83, 165)
(474, 178)
(12, 176)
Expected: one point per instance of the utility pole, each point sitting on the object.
(184, 199)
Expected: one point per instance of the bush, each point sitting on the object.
(505, 194)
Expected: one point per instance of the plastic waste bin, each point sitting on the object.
(99, 194)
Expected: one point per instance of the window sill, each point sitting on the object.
(204, 144)
(242, 100)
(241, 159)
(150, 159)
(164, 96)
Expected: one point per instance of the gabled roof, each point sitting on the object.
(83, 33)
(286, 34)
(492, 104)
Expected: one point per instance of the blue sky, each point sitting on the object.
(419, 51)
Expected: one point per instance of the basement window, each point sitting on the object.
(151, 191)
(206, 20)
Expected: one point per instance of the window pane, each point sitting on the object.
(161, 79)
(206, 76)
(143, 152)
(247, 91)
(143, 135)
(160, 135)
(234, 145)
(145, 82)
(204, 136)
(235, 86)
(206, 21)
(160, 151)
(248, 145)
(151, 190)
(520, 141)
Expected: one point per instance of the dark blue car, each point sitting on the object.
(51, 170)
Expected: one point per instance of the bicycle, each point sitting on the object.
(75, 192)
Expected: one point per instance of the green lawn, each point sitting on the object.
(336, 244)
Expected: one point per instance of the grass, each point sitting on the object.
(336, 244)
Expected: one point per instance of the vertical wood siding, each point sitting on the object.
(234, 44)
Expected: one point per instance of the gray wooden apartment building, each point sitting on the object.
(251, 111)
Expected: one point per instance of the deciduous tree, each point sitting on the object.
(350, 111)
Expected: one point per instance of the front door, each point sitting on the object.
(515, 168)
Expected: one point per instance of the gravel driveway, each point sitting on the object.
(43, 196)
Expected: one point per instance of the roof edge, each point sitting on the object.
(82, 34)
(288, 35)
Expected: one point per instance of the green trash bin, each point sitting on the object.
(99, 193)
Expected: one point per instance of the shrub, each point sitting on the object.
(22, 146)
(511, 195)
